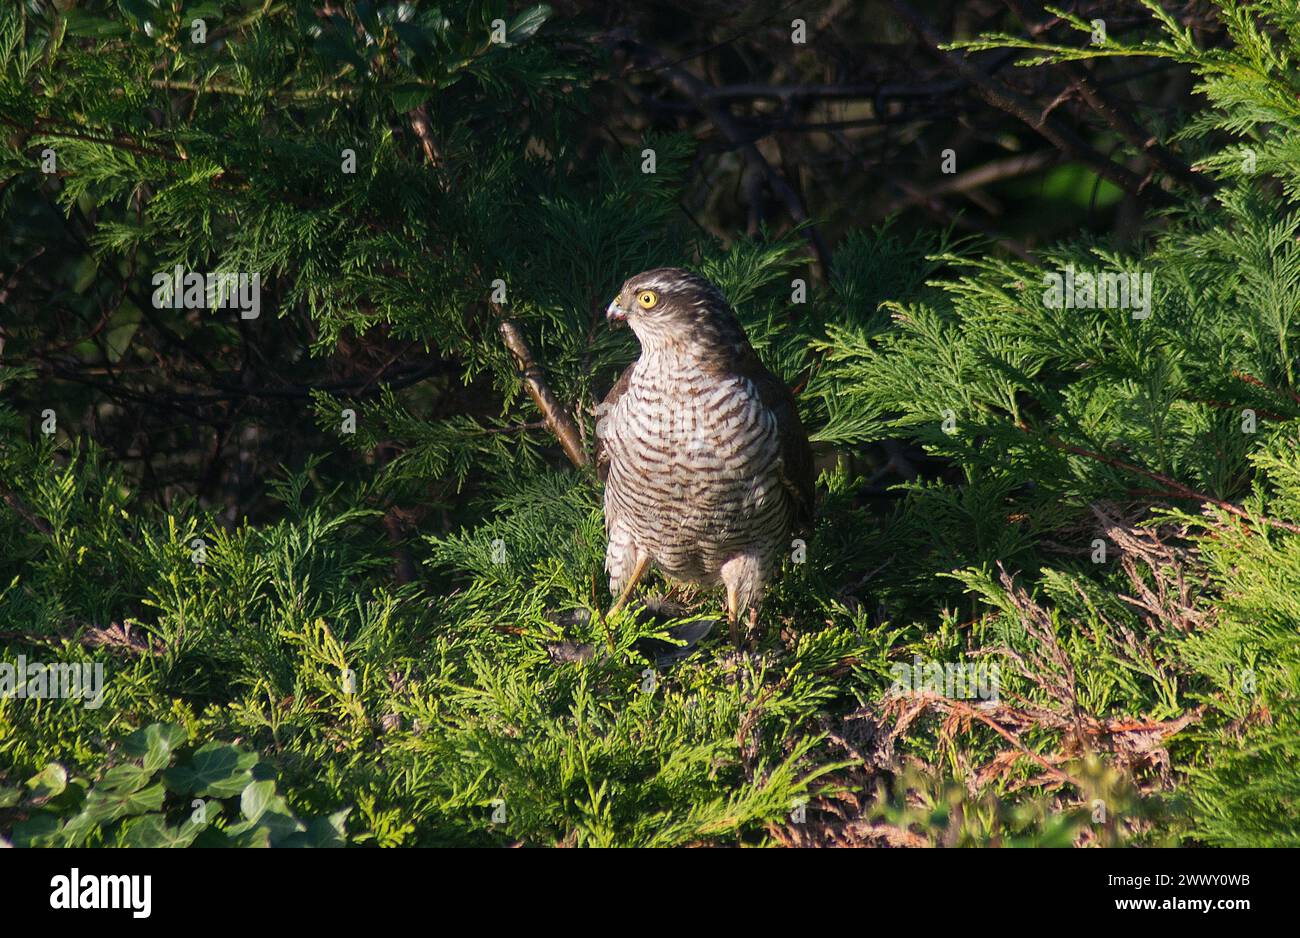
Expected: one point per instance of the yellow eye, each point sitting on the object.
(647, 299)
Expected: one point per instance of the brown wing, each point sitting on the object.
(797, 473)
(617, 391)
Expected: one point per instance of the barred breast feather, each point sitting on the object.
(699, 468)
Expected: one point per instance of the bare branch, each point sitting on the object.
(699, 91)
(1054, 131)
(1143, 140)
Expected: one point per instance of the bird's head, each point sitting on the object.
(672, 308)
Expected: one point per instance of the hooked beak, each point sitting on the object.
(615, 313)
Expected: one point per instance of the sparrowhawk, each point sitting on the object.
(707, 468)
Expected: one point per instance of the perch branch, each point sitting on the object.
(557, 417)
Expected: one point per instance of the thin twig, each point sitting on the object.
(1011, 167)
(699, 91)
(970, 712)
(23, 510)
(557, 417)
(1173, 486)
(1012, 102)
(1143, 140)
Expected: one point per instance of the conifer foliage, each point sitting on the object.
(332, 540)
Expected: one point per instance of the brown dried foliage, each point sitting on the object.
(1164, 580)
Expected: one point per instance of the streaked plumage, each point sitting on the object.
(707, 467)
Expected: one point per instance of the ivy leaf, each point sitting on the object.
(154, 744)
(260, 797)
(283, 828)
(39, 830)
(527, 23)
(122, 328)
(82, 24)
(49, 783)
(269, 817)
(124, 779)
(152, 830)
(217, 770)
(103, 806)
(248, 834)
(416, 39)
(336, 50)
(329, 831)
(320, 832)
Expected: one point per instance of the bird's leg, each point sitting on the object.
(753, 627)
(742, 574)
(642, 564)
(732, 614)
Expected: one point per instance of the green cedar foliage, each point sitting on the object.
(1150, 692)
